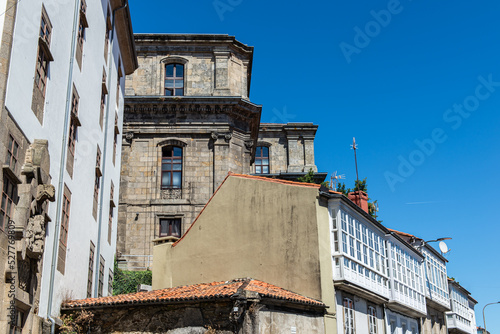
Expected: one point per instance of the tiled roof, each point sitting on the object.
(260, 178)
(404, 234)
(196, 292)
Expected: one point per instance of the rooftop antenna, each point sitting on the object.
(355, 147)
(334, 178)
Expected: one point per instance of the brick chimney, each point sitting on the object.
(360, 198)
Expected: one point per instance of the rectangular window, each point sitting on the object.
(44, 56)
(91, 270)
(81, 32)
(97, 182)
(170, 227)
(63, 235)
(171, 167)
(174, 80)
(9, 197)
(262, 160)
(101, 277)
(73, 129)
(372, 320)
(106, 34)
(104, 92)
(12, 150)
(348, 316)
(110, 283)
(110, 224)
(17, 322)
(118, 80)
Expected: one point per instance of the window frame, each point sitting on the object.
(43, 55)
(260, 158)
(10, 196)
(174, 78)
(101, 276)
(12, 153)
(171, 221)
(171, 163)
(371, 311)
(349, 311)
(91, 270)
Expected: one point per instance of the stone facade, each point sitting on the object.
(212, 122)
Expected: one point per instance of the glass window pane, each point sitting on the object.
(176, 228)
(169, 83)
(169, 70)
(265, 151)
(168, 92)
(179, 70)
(177, 167)
(176, 182)
(179, 91)
(177, 152)
(165, 165)
(258, 151)
(265, 169)
(265, 162)
(163, 226)
(179, 83)
(165, 179)
(257, 170)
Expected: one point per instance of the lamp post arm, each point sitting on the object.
(484, 320)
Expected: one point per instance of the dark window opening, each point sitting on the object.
(170, 227)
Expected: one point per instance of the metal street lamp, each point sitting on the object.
(484, 321)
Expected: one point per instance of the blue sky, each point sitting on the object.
(419, 88)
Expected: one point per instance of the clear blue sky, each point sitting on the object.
(429, 73)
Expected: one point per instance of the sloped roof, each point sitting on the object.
(196, 292)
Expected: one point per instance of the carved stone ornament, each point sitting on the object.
(171, 193)
(214, 135)
(129, 135)
(228, 136)
(35, 236)
(45, 192)
(24, 274)
(249, 144)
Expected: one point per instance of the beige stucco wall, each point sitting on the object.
(273, 232)
(250, 228)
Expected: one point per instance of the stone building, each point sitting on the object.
(62, 68)
(188, 122)
(243, 306)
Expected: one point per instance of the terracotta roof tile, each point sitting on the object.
(203, 291)
(403, 233)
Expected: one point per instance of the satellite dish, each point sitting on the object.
(443, 247)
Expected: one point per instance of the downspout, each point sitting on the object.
(60, 185)
(106, 130)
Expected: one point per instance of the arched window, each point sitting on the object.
(262, 160)
(174, 80)
(171, 167)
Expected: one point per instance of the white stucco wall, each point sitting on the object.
(82, 226)
(360, 314)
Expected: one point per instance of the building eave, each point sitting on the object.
(125, 35)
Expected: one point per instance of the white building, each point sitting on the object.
(65, 87)
(461, 319)
(378, 277)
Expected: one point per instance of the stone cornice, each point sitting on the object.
(158, 110)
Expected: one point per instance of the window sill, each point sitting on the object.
(163, 240)
(10, 173)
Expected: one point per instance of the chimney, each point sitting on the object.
(360, 198)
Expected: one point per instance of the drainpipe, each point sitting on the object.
(106, 130)
(60, 185)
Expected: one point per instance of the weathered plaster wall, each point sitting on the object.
(250, 228)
